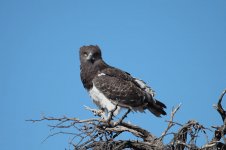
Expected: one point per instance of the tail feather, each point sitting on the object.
(160, 104)
(157, 108)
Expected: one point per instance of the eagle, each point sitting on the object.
(112, 89)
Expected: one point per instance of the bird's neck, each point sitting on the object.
(90, 70)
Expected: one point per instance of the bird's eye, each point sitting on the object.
(85, 54)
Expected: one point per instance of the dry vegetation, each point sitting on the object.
(98, 134)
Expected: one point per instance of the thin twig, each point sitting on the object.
(171, 123)
(219, 107)
(122, 118)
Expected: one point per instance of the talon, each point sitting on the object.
(97, 112)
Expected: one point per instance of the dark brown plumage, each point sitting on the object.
(109, 86)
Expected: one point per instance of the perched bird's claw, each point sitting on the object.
(100, 113)
(97, 112)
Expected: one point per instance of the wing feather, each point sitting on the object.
(119, 87)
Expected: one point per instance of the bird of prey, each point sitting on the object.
(112, 89)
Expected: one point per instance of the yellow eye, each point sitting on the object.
(85, 54)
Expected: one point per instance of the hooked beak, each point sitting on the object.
(89, 57)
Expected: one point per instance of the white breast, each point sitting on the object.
(102, 101)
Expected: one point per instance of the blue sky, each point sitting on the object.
(177, 47)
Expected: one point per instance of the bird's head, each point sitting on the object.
(90, 54)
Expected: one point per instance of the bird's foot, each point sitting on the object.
(100, 113)
(96, 112)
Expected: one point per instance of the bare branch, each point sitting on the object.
(220, 131)
(219, 107)
(171, 123)
(100, 133)
(123, 117)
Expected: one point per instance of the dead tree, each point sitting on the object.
(98, 134)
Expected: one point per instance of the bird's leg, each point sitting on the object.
(111, 114)
(123, 117)
(102, 114)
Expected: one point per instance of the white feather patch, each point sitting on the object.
(102, 101)
(101, 74)
(144, 86)
(141, 83)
